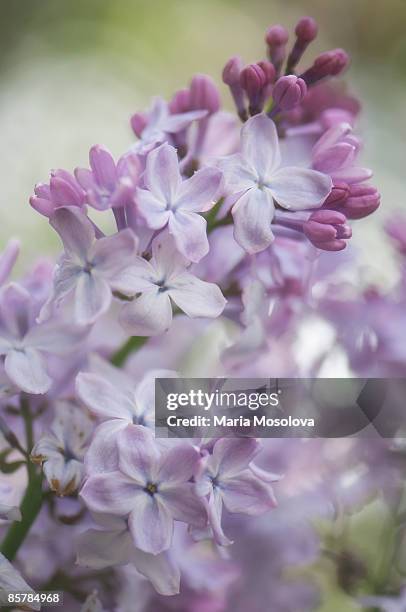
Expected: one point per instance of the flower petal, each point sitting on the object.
(166, 258)
(160, 570)
(92, 298)
(253, 214)
(102, 454)
(178, 464)
(138, 454)
(26, 368)
(102, 398)
(55, 338)
(260, 145)
(148, 315)
(299, 188)
(189, 232)
(98, 549)
(103, 166)
(112, 254)
(199, 192)
(183, 504)
(247, 494)
(152, 209)
(74, 229)
(111, 493)
(196, 297)
(162, 176)
(232, 455)
(151, 524)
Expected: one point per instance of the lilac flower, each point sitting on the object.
(7, 259)
(385, 604)
(111, 394)
(11, 581)
(92, 604)
(90, 268)
(24, 343)
(155, 127)
(169, 201)
(62, 449)
(255, 179)
(160, 280)
(226, 478)
(8, 511)
(113, 545)
(109, 185)
(63, 190)
(150, 487)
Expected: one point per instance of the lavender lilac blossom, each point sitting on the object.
(225, 235)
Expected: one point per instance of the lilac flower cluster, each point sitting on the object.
(224, 231)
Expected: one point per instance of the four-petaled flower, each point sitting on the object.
(61, 450)
(89, 267)
(255, 179)
(150, 487)
(226, 478)
(169, 201)
(160, 280)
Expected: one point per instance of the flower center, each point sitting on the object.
(151, 488)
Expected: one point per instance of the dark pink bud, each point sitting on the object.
(288, 92)
(180, 102)
(306, 29)
(330, 63)
(338, 195)
(253, 80)
(268, 70)
(204, 94)
(276, 38)
(138, 122)
(231, 77)
(327, 230)
(232, 70)
(363, 200)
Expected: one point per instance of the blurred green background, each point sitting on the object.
(73, 71)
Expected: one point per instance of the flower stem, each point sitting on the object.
(134, 343)
(32, 500)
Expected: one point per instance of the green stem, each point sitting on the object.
(32, 500)
(133, 344)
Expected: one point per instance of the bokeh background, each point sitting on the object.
(73, 71)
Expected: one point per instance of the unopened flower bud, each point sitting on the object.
(288, 92)
(231, 77)
(338, 195)
(327, 64)
(138, 122)
(276, 38)
(327, 230)
(253, 79)
(306, 31)
(204, 94)
(180, 102)
(363, 200)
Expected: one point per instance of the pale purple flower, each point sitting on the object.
(92, 604)
(90, 268)
(226, 479)
(160, 280)
(170, 201)
(254, 179)
(63, 190)
(8, 510)
(336, 153)
(112, 395)
(386, 603)
(24, 343)
(159, 123)
(11, 581)
(151, 488)
(108, 184)
(61, 450)
(7, 259)
(113, 545)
